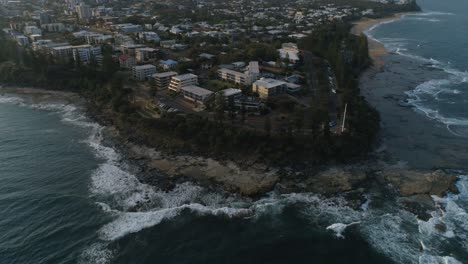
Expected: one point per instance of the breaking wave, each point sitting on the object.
(429, 97)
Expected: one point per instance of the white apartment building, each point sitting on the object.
(85, 52)
(195, 93)
(163, 79)
(83, 11)
(142, 72)
(180, 81)
(145, 54)
(243, 78)
(32, 30)
(267, 87)
(234, 76)
(126, 61)
(53, 27)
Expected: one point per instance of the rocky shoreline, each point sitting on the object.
(255, 180)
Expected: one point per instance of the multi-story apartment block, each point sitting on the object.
(266, 87)
(163, 79)
(180, 81)
(142, 72)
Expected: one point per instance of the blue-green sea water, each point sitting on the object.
(68, 196)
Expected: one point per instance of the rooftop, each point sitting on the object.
(230, 91)
(144, 67)
(164, 74)
(196, 90)
(269, 83)
(184, 77)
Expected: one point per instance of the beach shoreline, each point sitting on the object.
(377, 50)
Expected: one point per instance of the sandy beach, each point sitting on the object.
(376, 49)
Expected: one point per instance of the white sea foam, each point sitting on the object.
(97, 253)
(428, 259)
(339, 228)
(130, 222)
(9, 99)
(432, 13)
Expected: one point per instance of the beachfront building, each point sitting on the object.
(196, 94)
(180, 81)
(267, 87)
(142, 72)
(163, 79)
(84, 53)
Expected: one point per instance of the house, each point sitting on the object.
(142, 72)
(167, 43)
(163, 79)
(126, 61)
(196, 94)
(267, 87)
(175, 30)
(206, 56)
(180, 81)
(149, 36)
(168, 64)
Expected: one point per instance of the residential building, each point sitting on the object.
(85, 52)
(83, 11)
(32, 30)
(126, 61)
(267, 87)
(149, 36)
(53, 27)
(128, 28)
(248, 103)
(196, 94)
(145, 54)
(62, 52)
(231, 94)
(290, 52)
(142, 72)
(168, 64)
(163, 79)
(167, 43)
(180, 81)
(22, 40)
(130, 49)
(234, 76)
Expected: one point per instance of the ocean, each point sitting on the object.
(67, 195)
